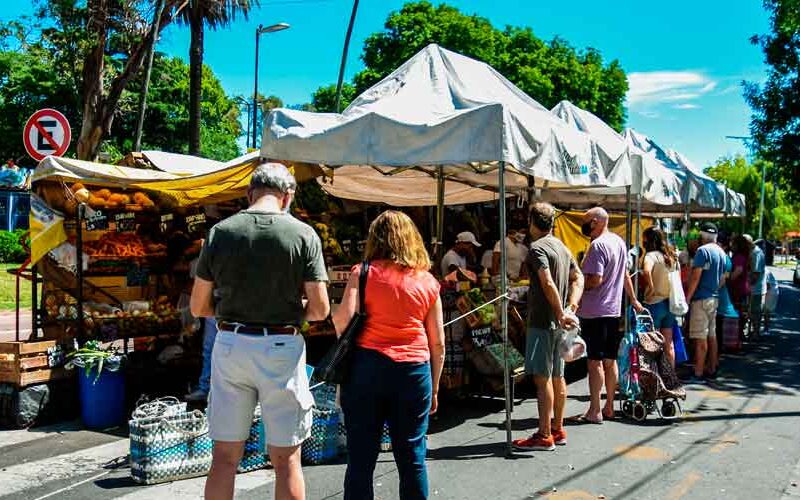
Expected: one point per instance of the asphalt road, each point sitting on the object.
(738, 439)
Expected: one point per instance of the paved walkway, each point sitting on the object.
(739, 439)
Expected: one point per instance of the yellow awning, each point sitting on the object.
(228, 183)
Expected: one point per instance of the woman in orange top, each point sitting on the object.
(398, 362)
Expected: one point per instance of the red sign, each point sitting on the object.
(46, 133)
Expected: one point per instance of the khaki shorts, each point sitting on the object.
(270, 370)
(703, 319)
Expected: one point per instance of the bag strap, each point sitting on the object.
(362, 286)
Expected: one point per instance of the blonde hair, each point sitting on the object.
(393, 236)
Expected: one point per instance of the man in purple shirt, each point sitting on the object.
(605, 272)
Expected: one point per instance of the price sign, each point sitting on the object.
(125, 222)
(481, 337)
(167, 221)
(195, 223)
(97, 221)
(347, 246)
(138, 276)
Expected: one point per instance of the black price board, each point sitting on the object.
(125, 222)
(97, 221)
(138, 276)
(166, 224)
(195, 223)
(481, 337)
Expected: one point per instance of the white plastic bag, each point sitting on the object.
(571, 346)
(773, 293)
(677, 299)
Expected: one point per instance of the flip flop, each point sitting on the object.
(612, 417)
(582, 420)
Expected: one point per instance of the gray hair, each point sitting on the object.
(273, 177)
(708, 237)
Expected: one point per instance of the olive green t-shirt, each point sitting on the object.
(259, 262)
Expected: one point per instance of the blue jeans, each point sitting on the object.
(209, 335)
(381, 390)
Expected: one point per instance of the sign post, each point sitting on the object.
(47, 133)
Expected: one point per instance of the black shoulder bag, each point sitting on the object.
(335, 365)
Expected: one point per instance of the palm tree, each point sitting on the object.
(197, 15)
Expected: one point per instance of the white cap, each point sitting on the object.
(467, 237)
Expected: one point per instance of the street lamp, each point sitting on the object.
(262, 29)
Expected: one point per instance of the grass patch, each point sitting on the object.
(8, 287)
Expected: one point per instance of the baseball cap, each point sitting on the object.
(709, 227)
(467, 237)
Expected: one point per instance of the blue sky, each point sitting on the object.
(685, 59)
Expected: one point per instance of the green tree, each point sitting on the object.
(776, 108)
(780, 213)
(197, 15)
(547, 71)
(29, 82)
(324, 98)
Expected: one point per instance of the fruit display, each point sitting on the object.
(122, 245)
(106, 199)
(60, 306)
(330, 245)
(108, 323)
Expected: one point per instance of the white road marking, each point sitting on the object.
(21, 477)
(193, 488)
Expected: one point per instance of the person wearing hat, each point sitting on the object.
(706, 279)
(458, 256)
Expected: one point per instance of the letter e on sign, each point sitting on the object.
(47, 133)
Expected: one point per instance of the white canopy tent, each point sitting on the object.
(657, 186)
(703, 193)
(452, 118)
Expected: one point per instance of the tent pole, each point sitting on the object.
(628, 236)
(439, 212)
(504, 303)
(638, 241)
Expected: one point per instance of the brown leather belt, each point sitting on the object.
(257, 330)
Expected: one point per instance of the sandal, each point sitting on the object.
(581, 420)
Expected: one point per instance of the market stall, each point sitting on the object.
(454, 119)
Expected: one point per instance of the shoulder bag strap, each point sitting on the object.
(362, 286)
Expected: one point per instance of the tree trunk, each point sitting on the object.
(195, 79)
(99, 106)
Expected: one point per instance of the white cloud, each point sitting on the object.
(655, 87)
(686, 105)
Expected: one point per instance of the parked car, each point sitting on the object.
(796, 278)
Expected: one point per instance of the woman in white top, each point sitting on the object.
(659, 261)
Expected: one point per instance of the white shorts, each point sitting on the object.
(270, 370)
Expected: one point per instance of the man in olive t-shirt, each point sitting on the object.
(259, 263)
(555, 291)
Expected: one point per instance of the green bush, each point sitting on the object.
(11, 252)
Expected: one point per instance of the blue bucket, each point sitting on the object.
(102, 403)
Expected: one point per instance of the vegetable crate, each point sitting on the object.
(27, 363)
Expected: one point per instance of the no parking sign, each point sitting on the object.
(46, 133)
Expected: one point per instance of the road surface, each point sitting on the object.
(739, 439)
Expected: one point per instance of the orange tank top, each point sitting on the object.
(397, 302)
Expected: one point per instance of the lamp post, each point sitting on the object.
(261, 29)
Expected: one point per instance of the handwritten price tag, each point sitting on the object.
(167, 221)
(481, 337)
(195, 223)
(97, 221)
(125, 222)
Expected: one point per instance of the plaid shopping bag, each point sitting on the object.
(169, 448)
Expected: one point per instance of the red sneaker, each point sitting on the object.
(537, 442)
(560, 437)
